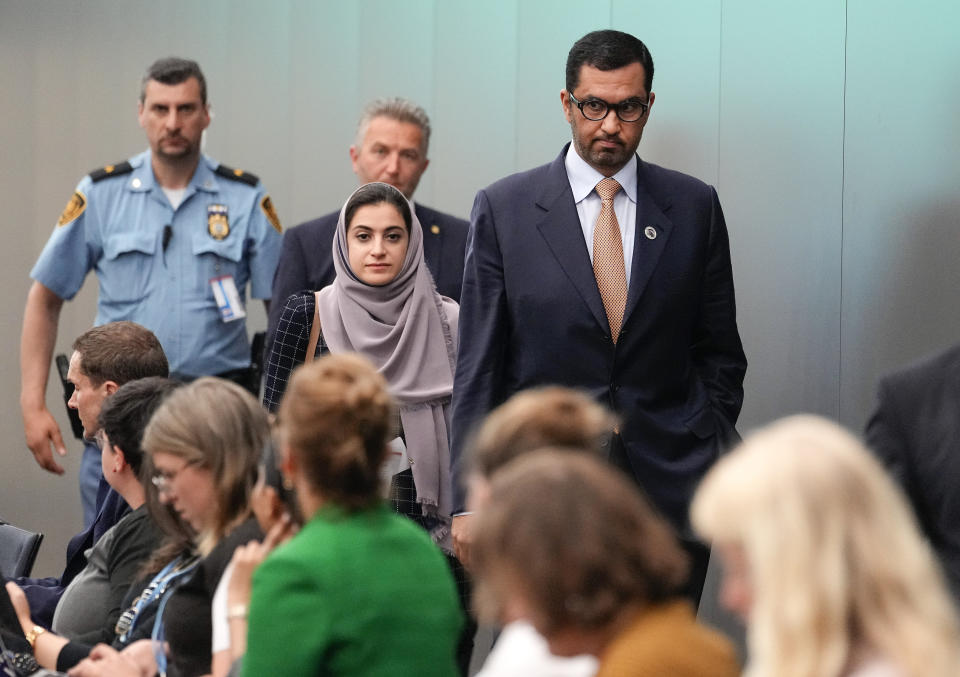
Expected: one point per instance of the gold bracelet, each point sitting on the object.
(237, 611)
(33, 634)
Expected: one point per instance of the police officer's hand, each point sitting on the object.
(41, 430)
(462, 538)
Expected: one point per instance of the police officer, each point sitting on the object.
(174, 238)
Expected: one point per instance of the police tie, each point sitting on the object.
(608, 258)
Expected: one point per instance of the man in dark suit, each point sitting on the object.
(915, 431)
(391, 146)
(626, 295)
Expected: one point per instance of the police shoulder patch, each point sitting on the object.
(266, 204)
(111, 170)
(237, 175)
(74, 208)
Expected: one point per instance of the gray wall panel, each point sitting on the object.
(781, 126)
(901, 244)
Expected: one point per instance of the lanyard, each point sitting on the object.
(158, 586)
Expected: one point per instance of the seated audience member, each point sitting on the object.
(532, 419)
(90, 606)
(279, 517)
(359, 590)
(203, 445)
(823, 560)
(566, 541)
(103, 359)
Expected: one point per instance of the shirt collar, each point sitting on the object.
(142, 179)
(584, 178)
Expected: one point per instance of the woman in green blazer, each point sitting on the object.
(359, 590)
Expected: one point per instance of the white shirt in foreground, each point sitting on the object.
(520, 651)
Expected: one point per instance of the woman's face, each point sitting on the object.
(187, 487)
(736, 590)
(377, 240)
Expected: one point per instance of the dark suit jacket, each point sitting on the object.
(531, 314)
(916, 433)
(306, 263)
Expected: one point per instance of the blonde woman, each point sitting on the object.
(823, 559)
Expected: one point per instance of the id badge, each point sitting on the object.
(227, 297)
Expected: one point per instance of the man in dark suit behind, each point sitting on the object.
(391, 146)
(915, 431)
(659, 343)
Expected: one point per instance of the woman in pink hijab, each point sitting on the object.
(384, 305)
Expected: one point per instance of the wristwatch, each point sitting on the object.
(35, 632)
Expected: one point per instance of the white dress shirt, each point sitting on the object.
(583, 182)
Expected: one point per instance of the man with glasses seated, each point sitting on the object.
(606, 273)
(104, 358)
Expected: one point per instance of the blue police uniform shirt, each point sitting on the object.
(119, 233)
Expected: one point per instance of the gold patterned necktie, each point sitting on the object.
(608, 258)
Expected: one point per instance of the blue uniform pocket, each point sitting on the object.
(126, 267)
(216, 258)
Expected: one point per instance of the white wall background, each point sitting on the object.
(830, 129)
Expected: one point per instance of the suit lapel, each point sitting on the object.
(651, 213)
(559, 225)
(432, 242)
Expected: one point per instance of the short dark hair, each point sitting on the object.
(173, 70)
(608, 50)
(374, 194)
(125, 414)
(120, 352)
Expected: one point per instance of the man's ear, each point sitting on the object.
(564, 103)
(110, 387)
(354, 155)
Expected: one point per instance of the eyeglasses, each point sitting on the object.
(629, 110)
(162, 480)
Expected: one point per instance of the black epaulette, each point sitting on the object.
(237, 175)
(111, 170)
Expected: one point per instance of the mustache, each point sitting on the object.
(615, 138)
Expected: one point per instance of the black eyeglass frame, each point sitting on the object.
(644, 107)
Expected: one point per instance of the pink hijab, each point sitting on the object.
(409, 332)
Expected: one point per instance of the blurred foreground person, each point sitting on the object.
(567, 542)
(540, 417)
(360, 589)
(823, 559)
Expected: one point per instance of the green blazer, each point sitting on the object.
(363, 593)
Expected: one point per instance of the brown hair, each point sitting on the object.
(577, 539)
(552, 416)
(120, 352)
(219, 426)
(334, 418)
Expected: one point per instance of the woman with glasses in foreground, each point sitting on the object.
(204, 444)
(823, 560)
